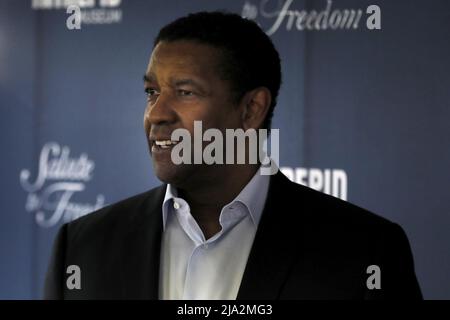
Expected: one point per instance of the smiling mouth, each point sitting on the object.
(163, 144)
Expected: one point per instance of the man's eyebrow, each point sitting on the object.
(148, 78)
(181, 82)
(177, 82)
(201, 89)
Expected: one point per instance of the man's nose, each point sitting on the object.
(160, 112)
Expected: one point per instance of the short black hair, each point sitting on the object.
(249, 58)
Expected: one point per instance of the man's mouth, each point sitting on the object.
(164, 144)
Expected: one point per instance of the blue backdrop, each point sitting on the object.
(363, 115)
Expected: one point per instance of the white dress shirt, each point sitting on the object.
(194, 268)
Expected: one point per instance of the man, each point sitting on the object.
(225, 231)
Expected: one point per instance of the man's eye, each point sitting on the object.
(182, 92)
(151, 92)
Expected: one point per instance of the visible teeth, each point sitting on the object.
(165, 143)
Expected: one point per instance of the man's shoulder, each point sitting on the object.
(119, 214)
(322, 208)
(332, 223)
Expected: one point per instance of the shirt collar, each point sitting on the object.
(171, 193)
(252, 196)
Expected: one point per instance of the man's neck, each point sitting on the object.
(207, 201)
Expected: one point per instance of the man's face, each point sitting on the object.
(183, 85)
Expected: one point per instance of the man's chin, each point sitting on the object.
(169, 172)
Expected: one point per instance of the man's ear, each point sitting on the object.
(255, 105)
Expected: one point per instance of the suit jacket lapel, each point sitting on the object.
(272, 253)
(142, 246)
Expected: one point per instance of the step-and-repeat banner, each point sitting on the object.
(363, 113)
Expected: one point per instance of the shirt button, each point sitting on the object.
(205, 246)
(176, 205)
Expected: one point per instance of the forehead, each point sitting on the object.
(184, 56)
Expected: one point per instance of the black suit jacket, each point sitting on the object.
(308, 246)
